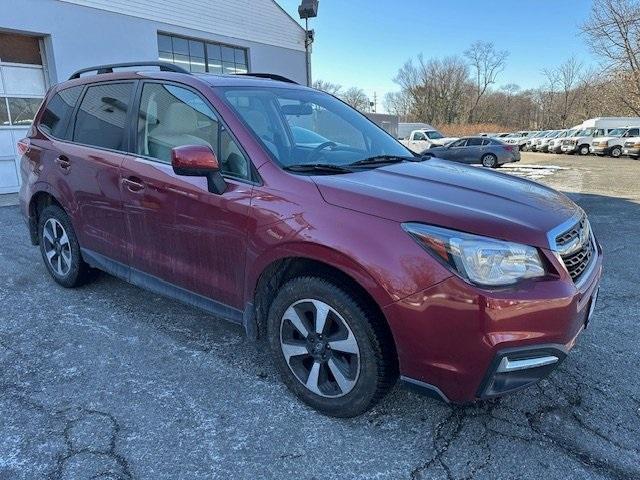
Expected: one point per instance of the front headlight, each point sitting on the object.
(480, 260)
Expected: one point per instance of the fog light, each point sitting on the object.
(518, 368)
(507, 365)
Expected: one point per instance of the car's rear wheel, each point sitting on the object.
(489, 160)
(616, 152)
(60, 249)
(328, 349)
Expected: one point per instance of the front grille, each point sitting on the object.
(567, 142)
(628, 144)
(578, 259)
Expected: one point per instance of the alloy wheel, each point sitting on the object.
(320, 348)
(490, 161)
(57, 247)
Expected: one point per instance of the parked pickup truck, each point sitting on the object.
(613, 144)
(421, 140)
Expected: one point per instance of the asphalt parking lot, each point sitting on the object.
(109, 381)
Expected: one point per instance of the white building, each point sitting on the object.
(43, 41)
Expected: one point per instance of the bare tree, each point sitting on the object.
(398, 103)
(356, 97)
(486, 64)
(613, 33)
(437, 89)
(332, 88)
(565, 78)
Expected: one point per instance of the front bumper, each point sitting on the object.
(632, 152)
(452, 338)
(569, 148)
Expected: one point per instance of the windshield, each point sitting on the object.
(310, 127)
(434, 135)
(585, 132)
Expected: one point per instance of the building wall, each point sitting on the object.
(261, 21)
(80, 36)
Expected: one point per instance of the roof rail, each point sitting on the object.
(100, 69)
(271, 76)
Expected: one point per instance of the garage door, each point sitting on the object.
(22, 86)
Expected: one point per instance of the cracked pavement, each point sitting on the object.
(112, 382)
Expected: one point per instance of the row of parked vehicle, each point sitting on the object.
(610, 136)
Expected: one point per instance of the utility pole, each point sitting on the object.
(308, 9)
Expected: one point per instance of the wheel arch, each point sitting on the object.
(344, 273)
(37, 203)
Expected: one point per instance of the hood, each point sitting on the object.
(452, 195)
(443, 141)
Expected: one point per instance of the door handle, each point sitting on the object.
(63, 162)
(134, 184)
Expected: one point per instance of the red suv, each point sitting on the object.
(280, 208)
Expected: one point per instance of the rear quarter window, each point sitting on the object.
(55, 118)
(102, 116)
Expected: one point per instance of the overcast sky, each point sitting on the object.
(364, 43)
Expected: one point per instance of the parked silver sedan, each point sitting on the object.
(490, 152)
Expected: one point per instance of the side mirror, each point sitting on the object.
(199, 161)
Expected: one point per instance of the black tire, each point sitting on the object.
(377, 364)
(489, 160)
(78, 272)
(583, 150)
(616, 151)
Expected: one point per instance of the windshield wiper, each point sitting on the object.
(384, 159)
(317, 167)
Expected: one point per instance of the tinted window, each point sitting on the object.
(172, 116)
(419, 136)
(474, 142)
(459, 143)
(102, 116)
(59, 109)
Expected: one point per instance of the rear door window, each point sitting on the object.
(102, 116)
(57, 113)
(459, 143)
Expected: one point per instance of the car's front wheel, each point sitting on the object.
(583, 150)
(60, 249)
(329, 351)
(616, 152)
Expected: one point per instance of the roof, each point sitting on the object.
(208, 78)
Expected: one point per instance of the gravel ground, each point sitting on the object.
(109, 381)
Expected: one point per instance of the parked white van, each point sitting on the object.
(594, 127)
(613, 143)
(555, 144)
(519, 138)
